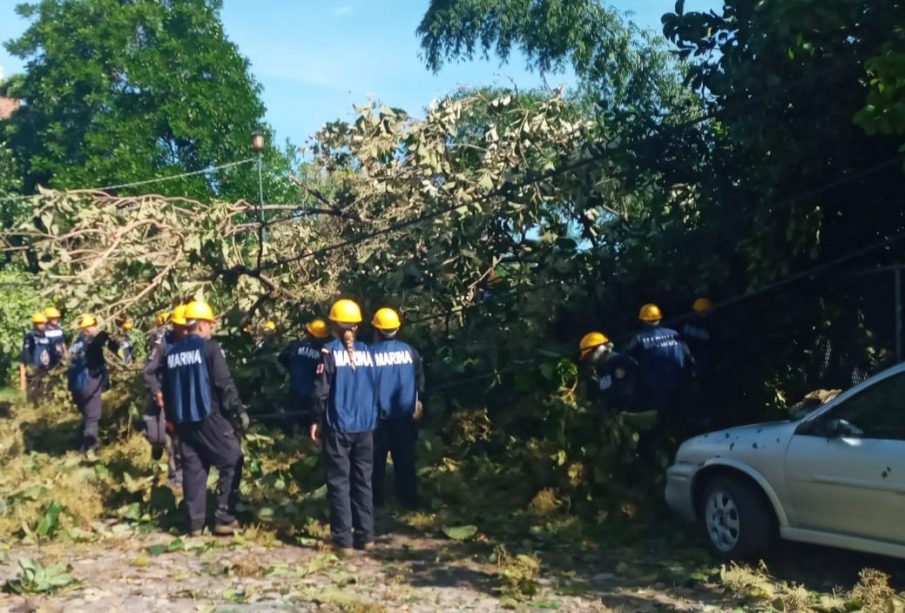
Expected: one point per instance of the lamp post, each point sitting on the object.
(257, 145)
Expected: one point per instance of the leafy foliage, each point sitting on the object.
(623, 67)
(158, 89)
(35, 578)
(20, 301)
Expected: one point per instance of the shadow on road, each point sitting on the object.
(823, 568)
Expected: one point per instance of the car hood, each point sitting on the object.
(744, 442)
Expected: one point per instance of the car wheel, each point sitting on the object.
(736, 519)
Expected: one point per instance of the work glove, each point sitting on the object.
(240, 420)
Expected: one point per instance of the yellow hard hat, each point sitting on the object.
(39, 318)
(386, 319)
(52, 313)
(199, 311)
(650, 312)
(87, 320)
(318, 328)
(269, 325)
(591, 341)
(178, 316)
(162, 318)
(702, 305)
(345, 312)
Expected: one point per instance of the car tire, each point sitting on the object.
(736, 519)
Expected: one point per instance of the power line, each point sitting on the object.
(173, 177)
(163, 179)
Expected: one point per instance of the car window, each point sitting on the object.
(876, 412)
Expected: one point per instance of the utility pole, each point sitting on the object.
(257, 144)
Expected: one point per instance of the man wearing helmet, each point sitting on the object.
(664, 364)
(199, 396)
(616, 375)
(57, 337)
(159, 432)
(345, 404)
(37, 358)
(300, 359)
(399, 375)
(88, 377)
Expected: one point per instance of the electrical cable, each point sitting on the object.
(139, 183)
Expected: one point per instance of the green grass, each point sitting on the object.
(10, 394)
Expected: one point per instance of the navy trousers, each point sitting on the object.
(396, 437)
(349, 459)
(210, 442)
(88, 400)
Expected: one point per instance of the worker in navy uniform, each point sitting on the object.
(36, 359)
(57, 337)
(615, 374)
(345, 404)
(127, 345)
(200, 396)
(159, 432)
(665, 366)
(698, 335)
(88, 377)
(399, 374)
(158, 331)
(300, 359)
(701, 336)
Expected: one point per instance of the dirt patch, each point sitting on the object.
(403, 573)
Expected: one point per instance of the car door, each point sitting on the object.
(845, 469)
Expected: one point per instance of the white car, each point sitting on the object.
(835, 477)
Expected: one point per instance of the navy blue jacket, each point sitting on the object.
(399, 374)
(663, 359)
(157, 353)
(346, 397)
(187, 381)
(221, 392)
(37, 351)
(86, 359)
(698, 336)
(618, 382)
(301, 358)
(58, 343)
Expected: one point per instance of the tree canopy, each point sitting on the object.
(116, 92)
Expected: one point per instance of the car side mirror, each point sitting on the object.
(825, 427)
(831, 428)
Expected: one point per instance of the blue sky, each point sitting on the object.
(315, 59)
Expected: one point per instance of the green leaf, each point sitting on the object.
(49, 524)
(460, 533)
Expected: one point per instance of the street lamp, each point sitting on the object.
(257, 145)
